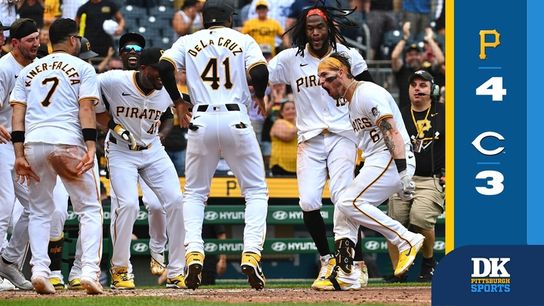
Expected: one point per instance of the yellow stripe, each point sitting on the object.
(18, 102)
(369, 217)
(171, 61)
(383, 117)
(450, 233)
(95, 99)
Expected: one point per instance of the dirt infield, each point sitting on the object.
(385, 295)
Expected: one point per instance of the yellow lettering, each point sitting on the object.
(485, 44)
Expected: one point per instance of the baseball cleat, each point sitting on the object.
(177, 282)
(91, 286)
(75, 284)
(363, 278)
(251, 266)
(6, 285)
(14, 275)
(327, 265)
(157, 264)
(42, 285)
(340, 281)
(57, 282)
(121, 279)
(407, 257)
(194, 262)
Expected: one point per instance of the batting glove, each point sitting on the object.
(408, 186)
(126, 135)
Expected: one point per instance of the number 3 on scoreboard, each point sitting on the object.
(494, 182)
(492, 87)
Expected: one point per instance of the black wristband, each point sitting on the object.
(401, 164)
(111, 124)
(89, 134)
(17, 136)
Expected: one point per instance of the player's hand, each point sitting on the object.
(5, 137)
(408, 186)
(24, 171)
(184, 115)
(221, 266)
(262, 107)
(118, 31)
(126, 135)
(406, 29)
(429, 34)
(86, 163)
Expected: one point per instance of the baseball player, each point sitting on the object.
(136, 100)
(54, 133)
(216, 59)
(388, 168)
(326, 143)
(24, 39)
(130, 48)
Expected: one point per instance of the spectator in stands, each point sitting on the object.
(3, 38)
(413, 60)
(418, 13)
(51, 11)
(8, 14)
(90, 18)
(263, 29)
(380, 19)
(283, 160)
(274, 97)
(32, 9)
(277, 10)
(425, 122)
(188, 19)
(45, 45)
(70, 7)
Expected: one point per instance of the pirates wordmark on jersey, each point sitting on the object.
(129, 106)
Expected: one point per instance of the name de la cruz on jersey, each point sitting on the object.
(221, 42)
(70, 71)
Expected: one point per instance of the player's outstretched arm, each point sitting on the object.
(259, 80)
(22, 167)
(87, 119)
(394, 142)
(166, 70)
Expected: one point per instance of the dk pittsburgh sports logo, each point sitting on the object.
(490, 275)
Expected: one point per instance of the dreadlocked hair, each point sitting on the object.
(336, 18)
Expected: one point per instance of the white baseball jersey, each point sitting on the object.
(52, 98)
(213, 65)
(317, 110)
(370, 104)
(140, 114)
(9, 70)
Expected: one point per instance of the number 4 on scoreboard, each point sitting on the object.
(492, 87)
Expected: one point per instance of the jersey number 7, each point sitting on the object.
(45, 102)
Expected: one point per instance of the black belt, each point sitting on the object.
(138, 148)
(229, 107)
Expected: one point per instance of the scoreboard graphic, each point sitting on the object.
(494, 207)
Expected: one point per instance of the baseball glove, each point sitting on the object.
(64, 160)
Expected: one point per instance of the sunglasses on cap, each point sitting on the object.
(128, 48)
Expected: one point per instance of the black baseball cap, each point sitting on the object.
(413, 46)
(421, 74)
(151, 57)
(86, 52)
(217, 11)
(130, 36)
(3, 27)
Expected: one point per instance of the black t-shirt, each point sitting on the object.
(97, 13)
(432, 138)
